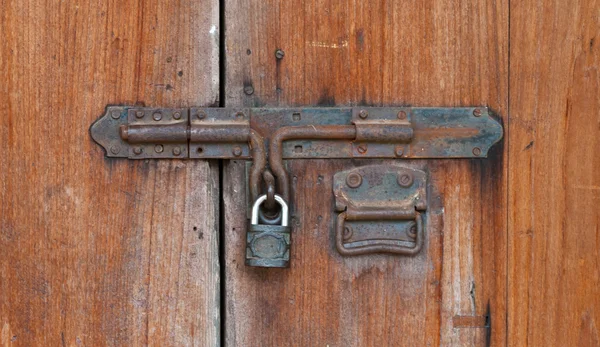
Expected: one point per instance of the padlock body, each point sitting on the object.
(268, 245)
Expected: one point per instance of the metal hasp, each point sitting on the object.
(302, 133)
(313, 133)
(381, 209)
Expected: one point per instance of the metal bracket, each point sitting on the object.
(380, 210)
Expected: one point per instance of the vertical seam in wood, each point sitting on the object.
(222, 58)
(222, 260)
(507, 227)
(138, 75)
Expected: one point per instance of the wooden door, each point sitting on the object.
(432, 53)
(96, 251)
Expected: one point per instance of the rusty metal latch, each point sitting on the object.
(380, 209)
(301, 133)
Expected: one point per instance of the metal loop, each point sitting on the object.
(270, 183)
(260, 200)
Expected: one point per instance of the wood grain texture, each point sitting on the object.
(422, 53)
(96, 251)
(554, 233)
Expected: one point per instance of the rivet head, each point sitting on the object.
(157, 116)
(347, 233)
(402, 115)
(248, 90)
(139, 114)
(115, 114)
(477, 151)
(412, 232)
(176, 151)
(405, 180)
(477, 112)
(137, 150)
(159, 148)
(399, 151)
(240, 115)
(363, 114)
(201, 115)
(237, 151)
(279, 54)
(115, 149)
(362, 149)
(176, 115)
(354, 180)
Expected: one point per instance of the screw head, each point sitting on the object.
(405, 180)
(176, 151)
(240, 115)
(248, 90)
(176, 115)
(402, 115)
(363, 114)
(137, 150)
(157, 116)
(237, 151)
(139, 114)
(477, 112)
(115, 114)
(201, 115)
(354, 180)
(362, 149)
(279, 54)
(115, 150)
(159, 148)
(399, 151)
(477, 151)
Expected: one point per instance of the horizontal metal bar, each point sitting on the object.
(379, 132)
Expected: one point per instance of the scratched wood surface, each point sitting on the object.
(554, 219)
(432, 53)
(96, 251)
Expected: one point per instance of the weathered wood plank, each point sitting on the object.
(554, 284)
(428, 53)
(96, 251)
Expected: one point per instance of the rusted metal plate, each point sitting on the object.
(142, 132)
(105, 131)
(219, 133)
(156, 133)
(327, 132)
(380, 209)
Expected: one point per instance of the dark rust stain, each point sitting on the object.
(360, 39)
(326, 99)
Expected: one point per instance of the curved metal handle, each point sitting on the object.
(280, 200)
(378, 248)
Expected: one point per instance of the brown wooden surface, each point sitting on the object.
(433, 53)
(95, 251)
(554, 174)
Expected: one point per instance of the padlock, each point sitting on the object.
(268, 245)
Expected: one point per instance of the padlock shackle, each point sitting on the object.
(280, 200)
